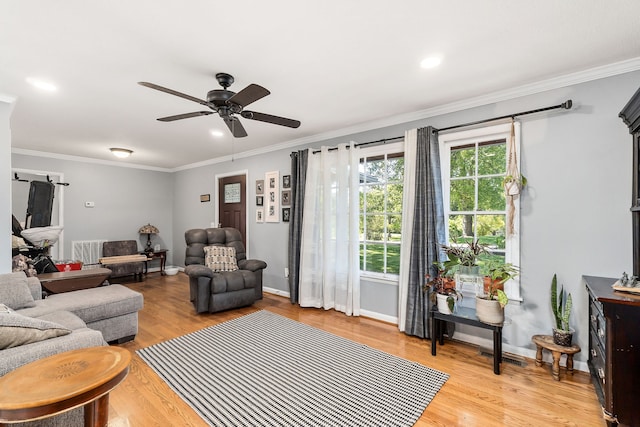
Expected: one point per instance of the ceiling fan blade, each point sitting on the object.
(184, 116)
(174, 92)
(268, 118)
(235, 126)
(248, 95)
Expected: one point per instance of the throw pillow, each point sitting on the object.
(220, 258)
(14, 291)
(17, 330)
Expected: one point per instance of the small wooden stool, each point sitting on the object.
(546, 342)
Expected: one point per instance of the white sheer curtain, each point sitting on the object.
(410, 142)
(329, 258)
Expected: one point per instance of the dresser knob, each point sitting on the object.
(600, 333)
(593, 353)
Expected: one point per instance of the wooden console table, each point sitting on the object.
(67, 281)
(466, 316)
(62, 382)
(159, 254)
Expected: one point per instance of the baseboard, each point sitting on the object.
(379, 316)
(275, 291)
(529, 353)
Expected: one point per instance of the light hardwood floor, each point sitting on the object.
(473, 395)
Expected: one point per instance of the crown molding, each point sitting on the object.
(558, 82)
(85, 159)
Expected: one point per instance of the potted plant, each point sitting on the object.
(443, 290)
(490, 306)
(561, 305)
(496, 272)
(463, 258)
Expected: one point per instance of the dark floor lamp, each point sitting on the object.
(148, 230)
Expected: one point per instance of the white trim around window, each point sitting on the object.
(489, 133)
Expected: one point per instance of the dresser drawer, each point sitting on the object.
(597, 323)
(597, 358)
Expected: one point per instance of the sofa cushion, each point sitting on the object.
(17, 330)
(92, 304)
(220, 258)
(14, 291)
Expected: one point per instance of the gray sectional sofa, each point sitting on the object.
(33, 327)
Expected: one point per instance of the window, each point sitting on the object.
(474, 164)
(381, 179)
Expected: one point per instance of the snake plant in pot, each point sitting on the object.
(561, 305)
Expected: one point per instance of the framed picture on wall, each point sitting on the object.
(286, 198)
(286, 214)
(286, 181)
(260, 186)
(259, 215)
(272, 201)
(259, 200)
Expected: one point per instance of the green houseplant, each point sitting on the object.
(464, 255)
(490, 306)
(443, 289)
(561, 304)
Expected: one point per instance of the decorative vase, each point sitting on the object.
(562, 337)
(489, 311)
(469, 270)
(443, 305)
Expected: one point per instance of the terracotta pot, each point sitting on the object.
(496, 284)
(448, 283)
(489, 311)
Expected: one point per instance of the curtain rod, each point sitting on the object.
(565, 105)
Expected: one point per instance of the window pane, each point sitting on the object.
(463, 161)
(375, 258)
(492, 159)
(375, 170)
(394, 228)
(393, 259)
(491, 194)
(460, 228)
(462, 196)
(375, 198)
(375, 227)
(362, 258)
(491, 231)
(394, 198)
(395, 169)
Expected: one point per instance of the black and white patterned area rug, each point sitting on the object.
(263, 369)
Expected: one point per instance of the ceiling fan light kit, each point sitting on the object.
(227, 104)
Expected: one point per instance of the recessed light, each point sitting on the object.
(121, 152)
(431, 61)
(217, 133)
(42, 84)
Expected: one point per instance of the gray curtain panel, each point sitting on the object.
(299, 161)
(428, 231)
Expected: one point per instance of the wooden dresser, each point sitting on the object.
(614, 350)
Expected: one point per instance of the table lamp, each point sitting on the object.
(148, 230)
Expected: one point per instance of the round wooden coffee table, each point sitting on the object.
(62, 382)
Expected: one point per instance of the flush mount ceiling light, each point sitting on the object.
(121, 152)
(41, 84)
(431, 61)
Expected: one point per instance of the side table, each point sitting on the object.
(62, 382)
(159, 254)
(466, 316)
(546, 342)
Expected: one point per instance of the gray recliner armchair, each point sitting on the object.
(215, 291)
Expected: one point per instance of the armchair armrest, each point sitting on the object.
(252, 264)
(198, 270)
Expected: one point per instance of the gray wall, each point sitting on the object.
(125, 199)
(575, 212)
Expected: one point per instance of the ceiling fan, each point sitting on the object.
(227, 104)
